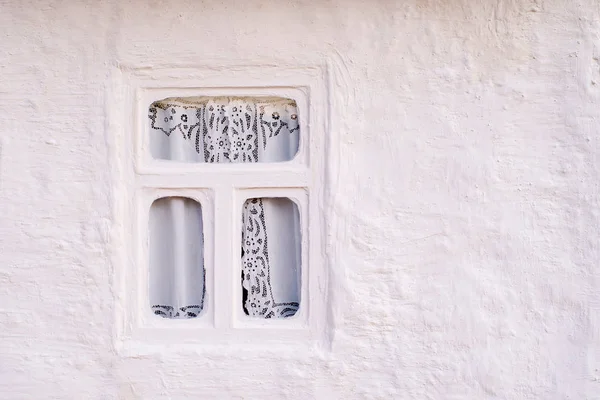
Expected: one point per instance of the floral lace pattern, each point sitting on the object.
(256, 279)
(225, 129)
(231, 130)
(180, 313)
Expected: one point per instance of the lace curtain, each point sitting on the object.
(225, 130)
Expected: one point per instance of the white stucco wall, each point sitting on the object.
(464, 165)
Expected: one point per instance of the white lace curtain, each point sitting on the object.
(225, 130)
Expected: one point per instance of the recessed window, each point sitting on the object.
(271, 257)
(224, 129)
(223, 202)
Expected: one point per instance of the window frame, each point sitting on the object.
(220, 189)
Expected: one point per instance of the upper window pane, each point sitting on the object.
(224, 129)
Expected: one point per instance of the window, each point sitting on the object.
(225, 130)
(222, 206)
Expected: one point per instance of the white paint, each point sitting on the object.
(463, 225)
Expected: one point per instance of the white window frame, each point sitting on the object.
(221, 189)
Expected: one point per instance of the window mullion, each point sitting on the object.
(223, 251)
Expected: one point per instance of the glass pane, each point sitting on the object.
(271, 257)
(224, 129)
(176, 258)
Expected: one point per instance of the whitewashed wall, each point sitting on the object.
(464, 166)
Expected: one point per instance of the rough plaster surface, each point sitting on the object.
(464, 168)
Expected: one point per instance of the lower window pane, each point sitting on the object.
(176, 258)
(271, 257)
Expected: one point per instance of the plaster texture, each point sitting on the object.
(463, 181)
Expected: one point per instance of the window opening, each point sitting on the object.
(271, 257)
(224, 129)
(176, 244)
